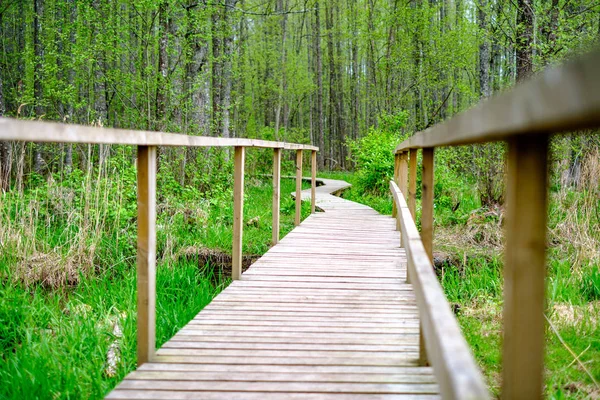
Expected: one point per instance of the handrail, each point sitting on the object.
(53, 132)
(453, 364)
(147, 143)
(557, 100)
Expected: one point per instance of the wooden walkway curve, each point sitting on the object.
(324, 314)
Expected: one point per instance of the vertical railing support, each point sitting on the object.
(427, 202)
(298, 187)
(238, 212)
(146, 254)
(426, 227)
(402, 185)
(394, 206)
(276, 194)
(412, 183)
(525, 268)
(313, 181)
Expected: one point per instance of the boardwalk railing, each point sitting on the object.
(147, 142)
(557, 100)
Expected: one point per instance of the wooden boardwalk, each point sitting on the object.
(325, 314)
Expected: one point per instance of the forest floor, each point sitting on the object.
(61, 327)
(468, 260)
(68, 321)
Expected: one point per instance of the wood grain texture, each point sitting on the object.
(298, 215)
(396, 173)
(313, 181)
(276, 195)
(525, 268)
(440, 335)
(326, 313)
(53, 132)
(427, 201)
(412, 183)
(560, 99)
(238, 211)
(146, 254)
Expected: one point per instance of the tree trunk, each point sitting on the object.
(484, 51)
(227, 66)
(163, 66)
(196, 86)
(524, 44)
(100, 103)
(281, 7)
(217, 70)
(319, 65)
(38, 6)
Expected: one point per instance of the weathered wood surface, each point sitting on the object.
(446, 349)
(44, 131)
(325, 314)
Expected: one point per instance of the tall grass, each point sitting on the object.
(67, 269)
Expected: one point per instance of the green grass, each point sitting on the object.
(473, 281)
(54, 342)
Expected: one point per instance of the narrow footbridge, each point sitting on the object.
(347, 305)
(326, 313)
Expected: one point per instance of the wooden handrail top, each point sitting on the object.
(53, 132)
(453, 364)
(559, 99)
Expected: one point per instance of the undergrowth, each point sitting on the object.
(67, 267)
(468, 244)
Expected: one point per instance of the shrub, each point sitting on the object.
(373, 154)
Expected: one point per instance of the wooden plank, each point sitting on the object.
(381, 356)
(427, 201)
(146, 254)
(409, 346)
(208, 395)
(297, 370)
(372, 340)
(313, 181)
(403, 359)
(45, 131)
(560, 99)
(412, 182)
(525, 268)
(238, 212)
(288, 387)
(298, 214)
(281, 377)
(276, 194)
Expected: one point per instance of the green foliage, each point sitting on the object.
(373, 155)
(54, 339)
(590, 283)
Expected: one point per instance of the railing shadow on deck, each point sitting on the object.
(147, 143)
(557, 100)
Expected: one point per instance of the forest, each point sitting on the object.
(353, 77)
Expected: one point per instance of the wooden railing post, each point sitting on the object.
(427, 202)
(525, 268)
(238, 212)
(412, 183)
(426, 227)
(298, 187)
(402, 184)
(146, 254)
(313, 181)
(396, 172)
(276, 194)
